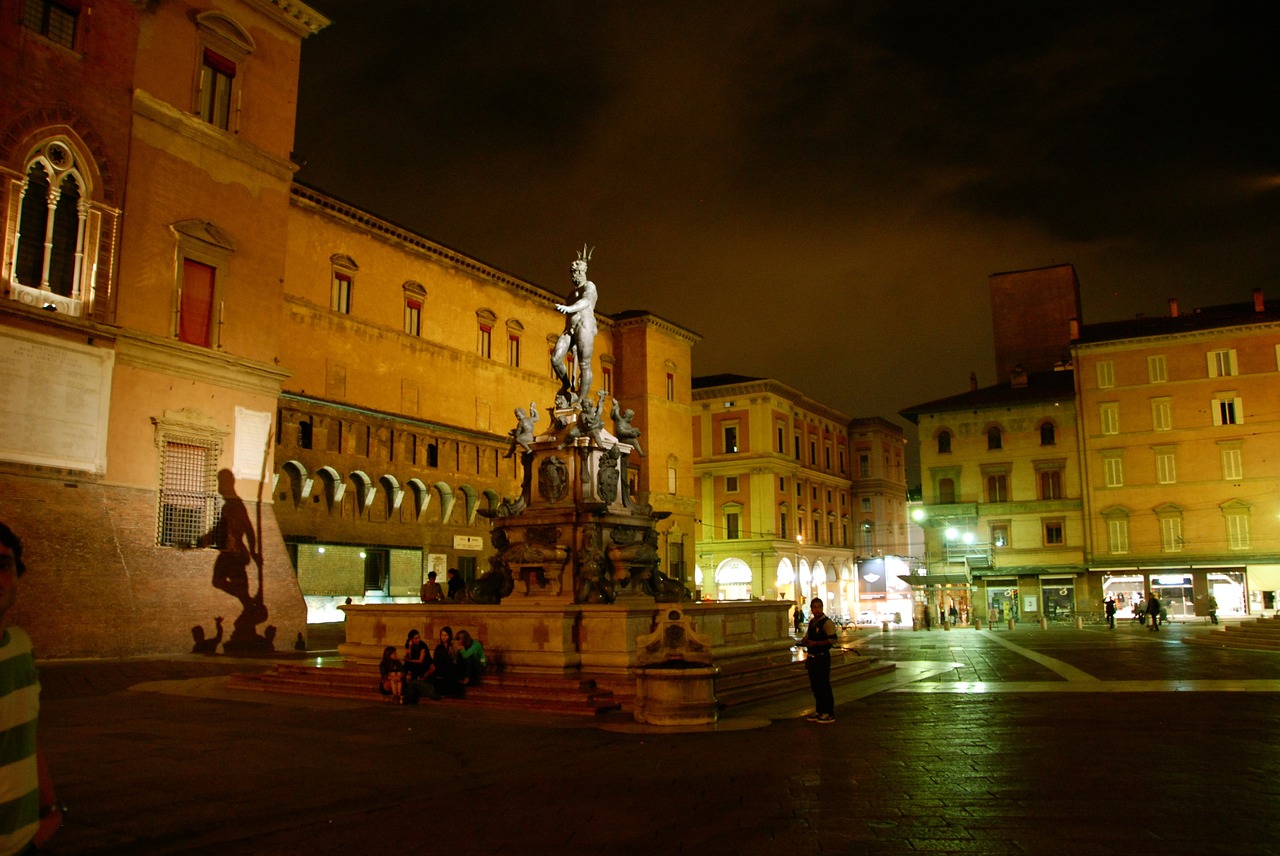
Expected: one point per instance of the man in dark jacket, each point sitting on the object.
(817, 642)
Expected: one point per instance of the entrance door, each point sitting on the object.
(1059, 598)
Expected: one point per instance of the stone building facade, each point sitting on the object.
(141, 351)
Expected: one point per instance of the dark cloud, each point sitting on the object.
(819, 188)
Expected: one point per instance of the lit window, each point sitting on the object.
(1157, 369)
(53, 20)
(1106, 374)
(1000, 534)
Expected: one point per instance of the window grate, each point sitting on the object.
(189, 502)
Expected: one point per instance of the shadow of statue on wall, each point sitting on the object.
(206, 644)
(238, 543)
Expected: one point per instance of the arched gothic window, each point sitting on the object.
(53, 219)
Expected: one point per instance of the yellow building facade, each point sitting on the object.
(1181, 451)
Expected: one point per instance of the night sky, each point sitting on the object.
(819, 189)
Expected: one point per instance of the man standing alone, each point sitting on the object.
(817, 642)
(31, 813)
(1153, 611)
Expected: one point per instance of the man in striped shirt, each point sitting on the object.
(29, 812)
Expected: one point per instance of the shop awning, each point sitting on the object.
(953, 579)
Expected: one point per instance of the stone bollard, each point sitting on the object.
(1079, 622)
(977, 624)
(884, 627)
(1044, 623)
(1010, 623)
(946, 625)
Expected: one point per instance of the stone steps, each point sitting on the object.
(540, 694)
(1262, 634)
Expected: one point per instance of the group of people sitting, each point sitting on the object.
(453, 665)
(433, 592)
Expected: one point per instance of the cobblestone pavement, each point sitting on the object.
(985, 742)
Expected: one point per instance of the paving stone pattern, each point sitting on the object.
(187, 771)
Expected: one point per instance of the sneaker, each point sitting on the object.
(814, 717)
(825, 718)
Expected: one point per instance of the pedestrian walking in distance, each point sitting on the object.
(817, 642)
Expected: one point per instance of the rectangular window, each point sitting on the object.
(217, 73)
(195, 312)
(1118, 535)
(731, 526)
(866, 503)
(672, 480)
(782, 485)
(671, 387)
(827, 453)
(813, 453)
(513, 360)
(730, 484)
(1171, 534)
(484, 341)
(1237, 532)
(1053, 533)
(797, 438)
(1232, 468)
(1161, 414)
(1106, 374)
(817, 531)
(1000, 534)
(340, 293)
(1222, 363)
(782, 440)
(1157, 369)
(730, 439)
(1166, 472)
(1227, 411)
(1110, 415)
(864, 465)
(842, 461)
(1114, 471)
(189, 501)
(412, 316)
(55, 21)
(782, 524)
(997, 488)
(1051, 484)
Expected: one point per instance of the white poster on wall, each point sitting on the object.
(253, 433)
(57, 402)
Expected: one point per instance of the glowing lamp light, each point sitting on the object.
(320, 550)
(968, 538)
(918, 515)
(952, 533)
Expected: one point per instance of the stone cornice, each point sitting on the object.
(375, 226)
(299, 17)
(776, 388)
(1135, 342)
(636, 318)
(148, 106)
(168, 356)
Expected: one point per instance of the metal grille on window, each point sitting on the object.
(189, 501)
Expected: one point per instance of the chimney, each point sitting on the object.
(1259, 305)
(973, 381)
(1018, 377)
(1073, 329)
(1173, 307)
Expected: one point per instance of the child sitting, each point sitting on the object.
(391, 675)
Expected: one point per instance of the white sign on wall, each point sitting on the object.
(57, 402)
(253, 432)
(468, 542)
